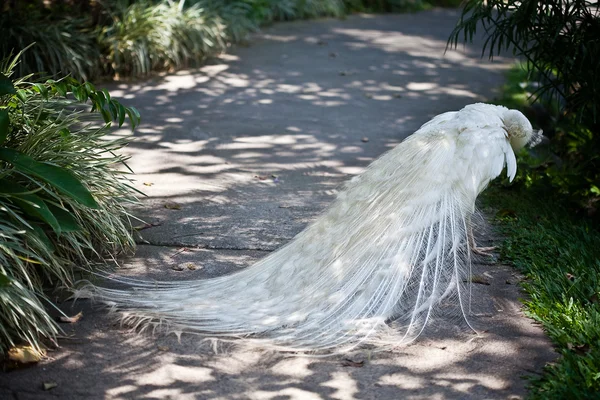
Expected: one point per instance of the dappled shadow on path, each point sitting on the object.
(243, 153)
(262, 138)
(102, 360)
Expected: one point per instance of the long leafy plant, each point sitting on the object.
(559, 40)
(61, 197)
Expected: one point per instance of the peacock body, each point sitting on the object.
(392, 247)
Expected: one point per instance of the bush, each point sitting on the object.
(145, 37)
(560, 40)
(61, 45)
(61, 196)
(87, 39)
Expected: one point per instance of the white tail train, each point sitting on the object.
(391, 247)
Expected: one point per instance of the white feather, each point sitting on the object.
(391, 247)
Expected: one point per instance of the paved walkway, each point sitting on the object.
(244, 152)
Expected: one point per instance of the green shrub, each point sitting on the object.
(560, 41)
(61, 45)
(61, 197)
(146, 37)
(87, 39)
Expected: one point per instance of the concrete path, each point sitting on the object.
(243, 153)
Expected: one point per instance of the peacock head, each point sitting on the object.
(519, 130)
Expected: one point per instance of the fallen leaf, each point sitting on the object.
(148, 183)
(179, 251)
(24, 354)
(191, 266)
(506, 212)
(177, 267)
(49, 385)
(479, 279)
(146, 226)
(171, 205)
(163, 348)
(71, 320)
(261, 177)
(364, 140)
(351, 363)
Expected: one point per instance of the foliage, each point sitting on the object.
(144, 37)
(568, 162)
(560, 257)
(560, 40)
(65, 45)
(61, 197)
(87, 38)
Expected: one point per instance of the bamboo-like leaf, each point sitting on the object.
(122, 113)
(41, 235)
(35, 206)
(4, 124)
(67, 221)
(42, 90)
(29, 203)
(4, 280)
(59, 178)
(6, 85)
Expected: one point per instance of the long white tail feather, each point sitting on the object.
(392, 247)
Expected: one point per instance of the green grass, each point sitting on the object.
(557, 248)
(559, 254)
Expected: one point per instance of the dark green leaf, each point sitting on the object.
(41, 235)
(4, 123)
(34, 206)
(134, 116)
(89, 88)
(6, 85)
(22, 95)
(42, 90)
(63, 180)
(105, 115)
(67, 221)
(106, 94)
(80, 93)
(122, 114)
(98, 101)
(61, 89)
(113, 110)
(4, 280)
(29, 203)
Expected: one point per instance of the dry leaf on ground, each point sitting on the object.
(71, 320)
(24, 355)
(171, 205)
(351, 363)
